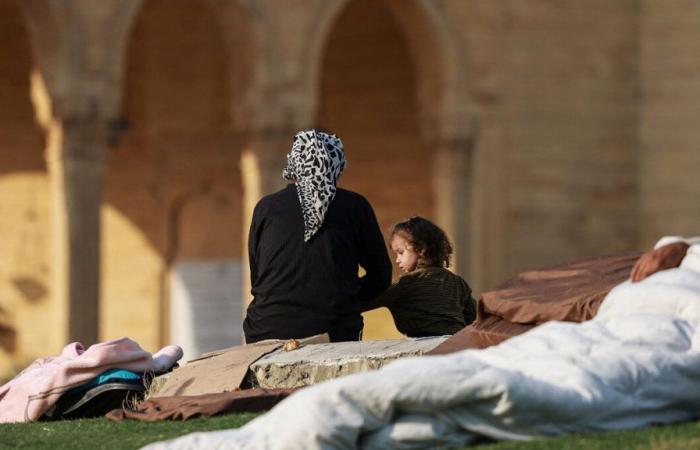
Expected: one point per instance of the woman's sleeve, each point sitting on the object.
(372, 257)
(253, 238)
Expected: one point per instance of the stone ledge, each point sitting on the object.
(315, 363)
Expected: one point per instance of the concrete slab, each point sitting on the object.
(312, 364)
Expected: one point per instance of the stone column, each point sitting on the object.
(77, 48)
(452, 185)
(75, 159)
(261, 172)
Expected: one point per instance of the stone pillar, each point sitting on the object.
(77, 49)
(452, 181)
(261, 172)
(75, 159)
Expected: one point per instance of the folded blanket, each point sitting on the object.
(636, 363)
(34, 390)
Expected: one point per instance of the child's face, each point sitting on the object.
(406, 256)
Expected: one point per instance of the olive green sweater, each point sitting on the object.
(428, 302)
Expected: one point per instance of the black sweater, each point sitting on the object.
(305, 288)
(428, 302)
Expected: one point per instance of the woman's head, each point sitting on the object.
(419, 243)
(315, 157)
(314, 165)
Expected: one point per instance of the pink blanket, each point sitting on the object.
(34, 390)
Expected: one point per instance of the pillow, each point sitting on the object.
(568, 292)
(692, 258)
(672, 292)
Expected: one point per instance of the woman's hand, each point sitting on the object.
(662, 258)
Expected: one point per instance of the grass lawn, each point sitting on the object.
(103, 434)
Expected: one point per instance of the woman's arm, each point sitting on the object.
(253, 240)
(372, 256)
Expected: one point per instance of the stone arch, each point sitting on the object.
(173, 186)
(79, 53)
(444, 101)
(48, 80)
(24, 278)
(457, 119)
(17, 115)
(242, 36)
(368, 94)
(383, 88)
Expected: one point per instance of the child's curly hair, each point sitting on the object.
(428, 241)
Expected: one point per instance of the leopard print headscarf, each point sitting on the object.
(315, 163)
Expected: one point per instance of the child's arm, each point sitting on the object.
(385, 299)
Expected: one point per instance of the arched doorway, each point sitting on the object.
(25, 308)
(173, 190)
(369, 91)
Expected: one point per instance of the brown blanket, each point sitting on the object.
(205, 405)
(481, 334)
(569, 292)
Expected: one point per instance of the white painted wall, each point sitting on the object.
(206, 309)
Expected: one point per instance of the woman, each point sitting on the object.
(306, 244)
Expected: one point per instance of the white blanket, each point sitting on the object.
(637, 363)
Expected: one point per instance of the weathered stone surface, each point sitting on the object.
(312, 364)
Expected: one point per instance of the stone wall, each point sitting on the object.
(670, 92)
(569, 105)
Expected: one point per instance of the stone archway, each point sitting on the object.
(24, 220)
(173, 189)
(459, 120)
(369, 97)
(379, 90)
(441, 71)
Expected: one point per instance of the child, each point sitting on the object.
(428, 300)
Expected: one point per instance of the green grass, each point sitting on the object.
(103, 434)
(670, 437)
